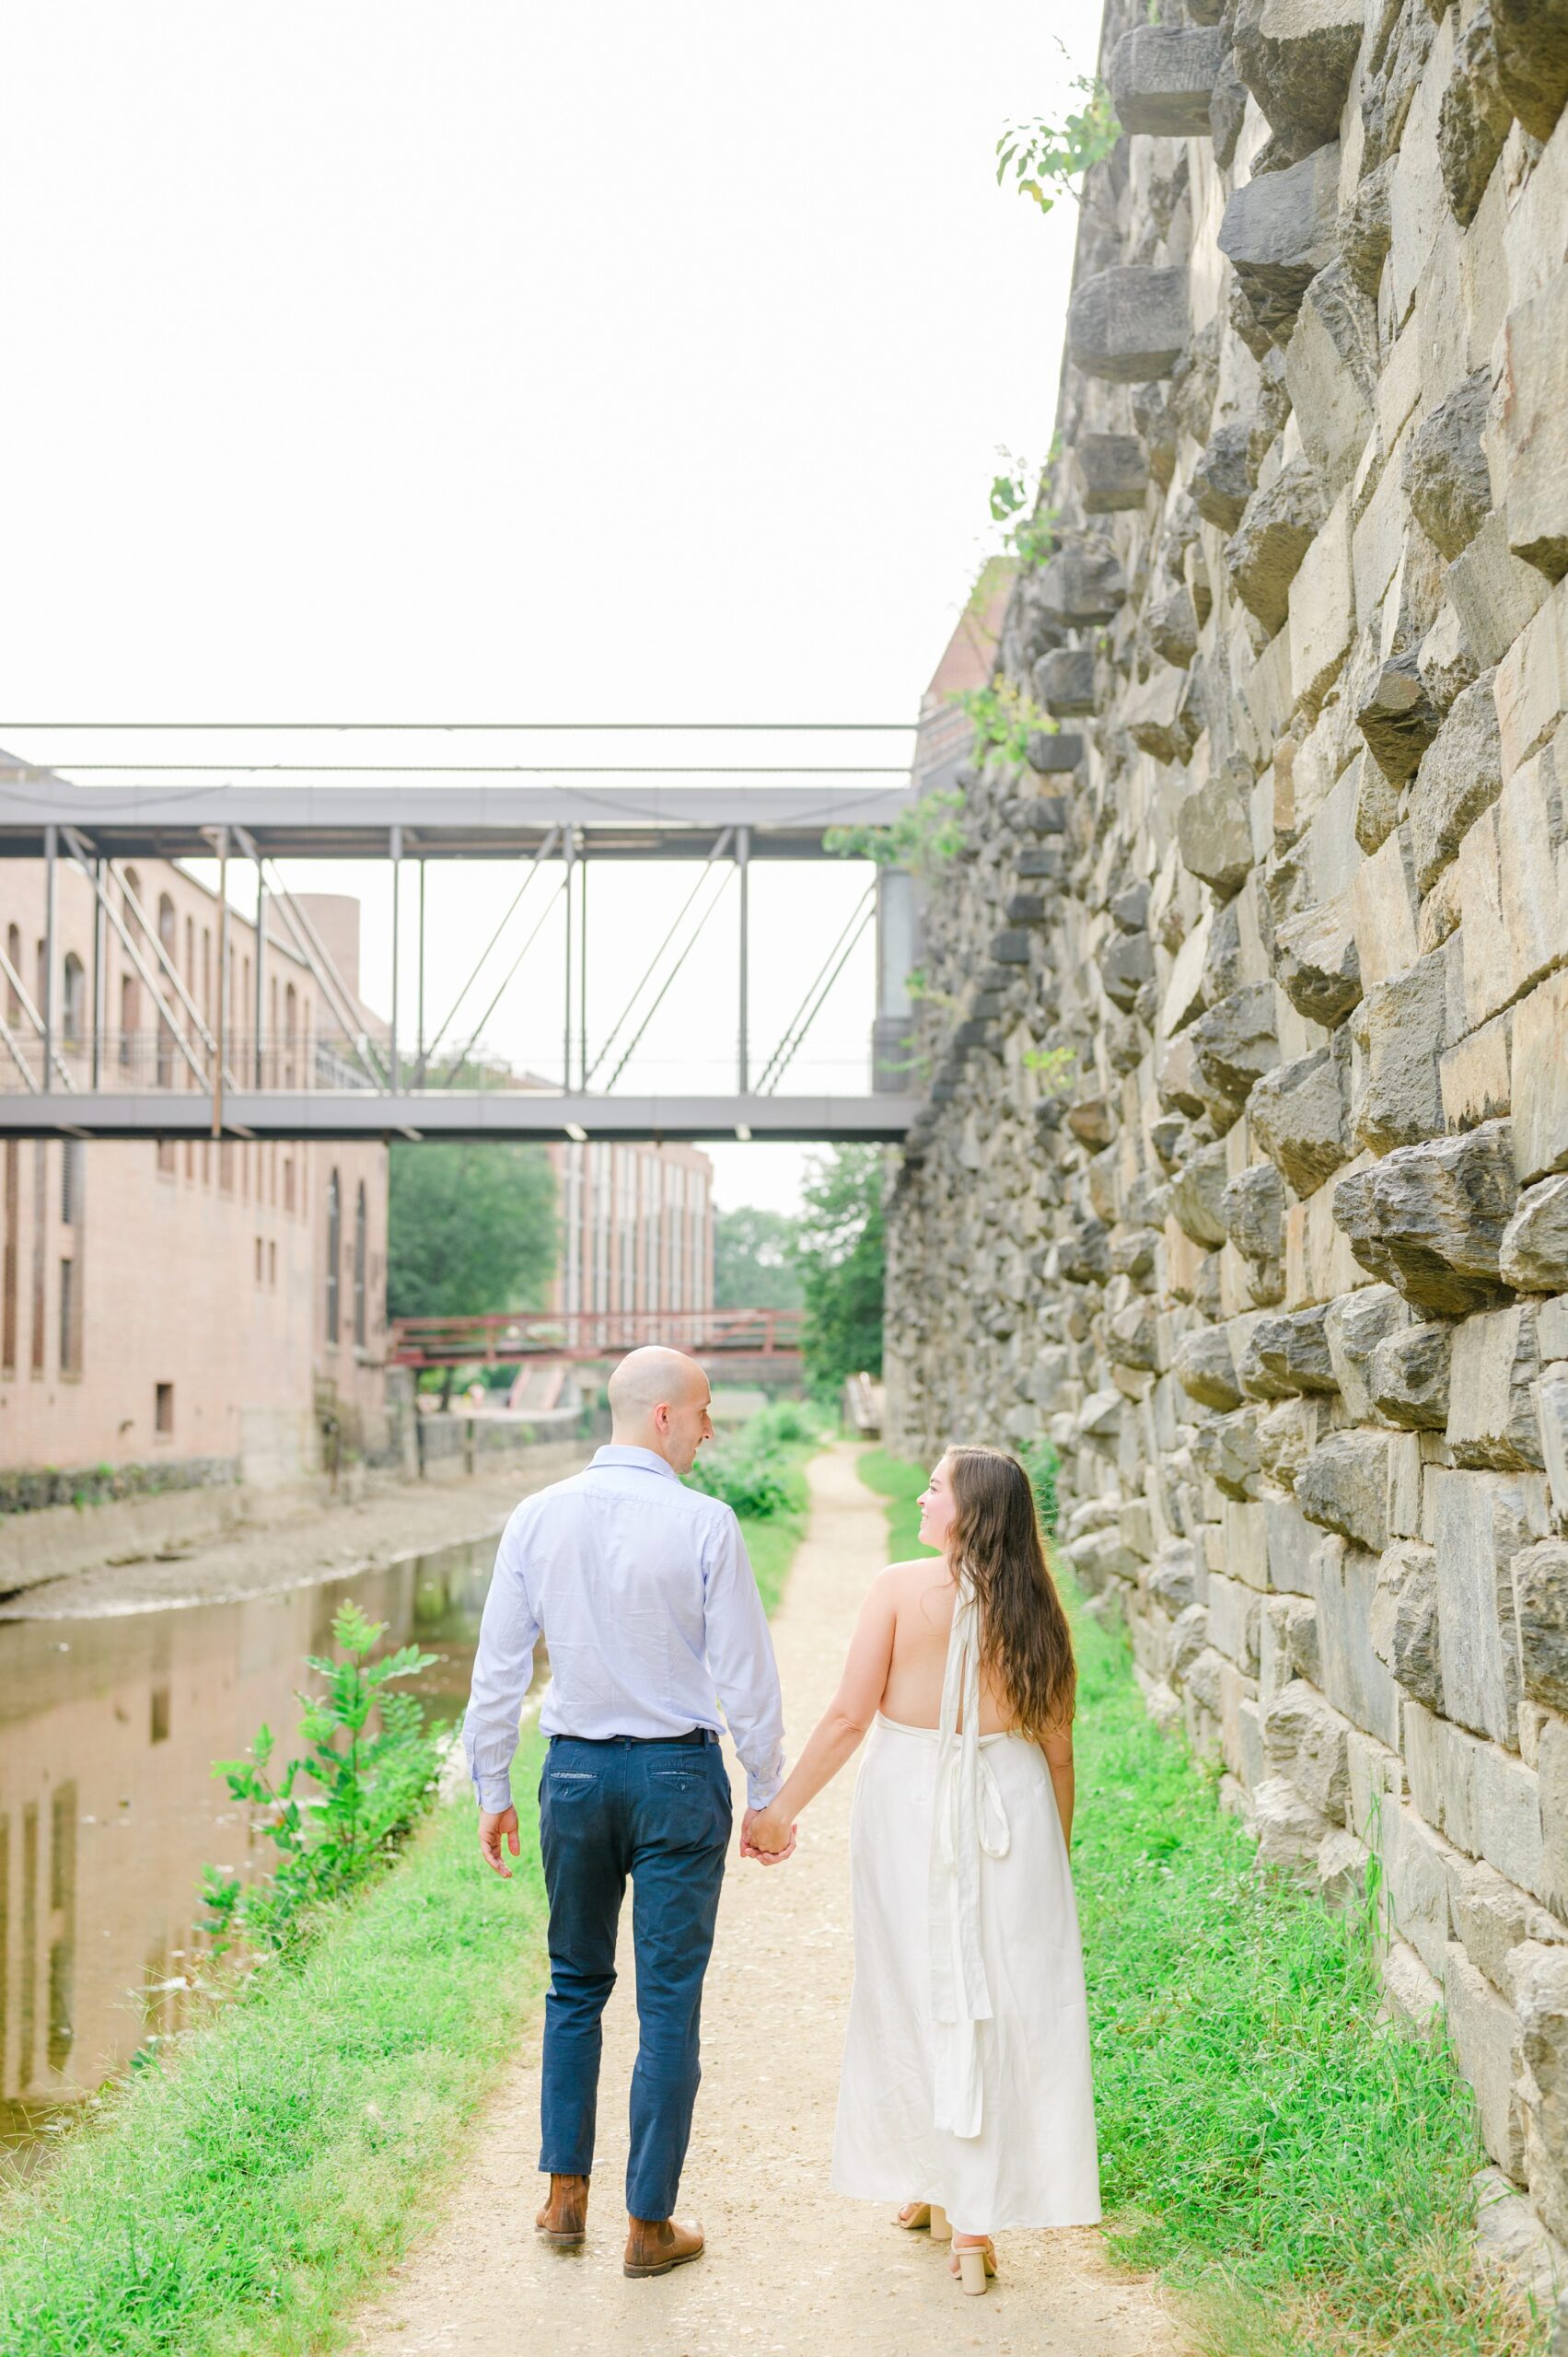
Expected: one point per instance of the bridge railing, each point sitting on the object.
(509, 1338)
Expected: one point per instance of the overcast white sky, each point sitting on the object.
(604, 362)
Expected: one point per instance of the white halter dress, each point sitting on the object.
(966, 2071)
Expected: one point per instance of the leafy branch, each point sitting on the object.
(1048, 159)
(921, 839)
(1016, 503)
(1052, 1067)
(1005, 718)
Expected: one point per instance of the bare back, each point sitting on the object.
(921, 1596)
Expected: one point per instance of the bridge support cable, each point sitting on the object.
(717, 853)
(816, 997)
(427, 1054)
(83, 853)
(460, 1059)
(318, 958)
(26, 1004)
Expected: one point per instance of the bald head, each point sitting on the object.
(660, 1399)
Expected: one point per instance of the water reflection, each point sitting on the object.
(109, 1810)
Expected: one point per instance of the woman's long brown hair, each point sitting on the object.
(1026, 1646)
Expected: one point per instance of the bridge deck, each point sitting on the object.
(453, 1113)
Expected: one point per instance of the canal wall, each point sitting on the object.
(1243, 1176)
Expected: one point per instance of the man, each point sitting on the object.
(643, 1593)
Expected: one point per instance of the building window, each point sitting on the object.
(167, 1158)
(70, 1321)
(260, 1260)
(73, 1010)
(271, 1264)
(361, 1250)
(168, 935)
(159, 1717)
(288, 1182)
(13, 1208)
(334, 1256)
(130, 1018)
(71, 1182)
(40, 1269)
(14, 959)
(163, 1409)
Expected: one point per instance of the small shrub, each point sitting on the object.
(1043, 1466)
(760, 1485)
(370, 1790)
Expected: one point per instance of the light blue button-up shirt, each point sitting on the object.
(642, 1591)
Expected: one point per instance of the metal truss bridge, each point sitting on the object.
(762, 1338)
(195, 1071)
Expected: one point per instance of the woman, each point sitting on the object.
(966, 2075)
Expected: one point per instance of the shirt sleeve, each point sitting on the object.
(740, 1657)
(501, 1671)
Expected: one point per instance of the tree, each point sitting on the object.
(470, 1228)
(839, 1249)
(753, 1260)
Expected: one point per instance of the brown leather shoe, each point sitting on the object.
(655, 2246)
(564, 2217)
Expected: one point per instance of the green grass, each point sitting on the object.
(1296, 2171)
(240, 2200)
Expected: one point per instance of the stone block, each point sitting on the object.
(1355, 1326)
(1173, 1576)
(1280, 523)
(1506, 1798)
(1065, 681)
(1322, 609)
(1492, 1418)
(1474, 119)
(1541, 1599)
(1224, 476)
(1082, 585)
(1482, 2028)
(1205, 1370)
(1416, 1883)
(1412, 1994)
(1430, 1218)
(1460, 776)
(1403, 1621)
(1532, 416)
(1540, 1090)
(1297, 1113)
(1129, 324)
(1290, 1830)
(1343, 1486)
(1492, 1916)
(1540, 1993)
(1213, 829)
(1493, 592)
(1475, 1075)
(1113, 471)
(1341, 1870)
(1407, 1378)
(1330, 370)
(1233, 1621)
(1197, 1195)
(1282, 1355)
(1235, 1042)
(1511, 869)
(1243, 1548)
(1551, 1409)
(1290, 1543)
(1317, 962)
(1446, 475)
(1396, 717)
(1296, 58)
(1532, 64)
(1253, 1208)
(1534, 1257)
(1304, 1740)
(1162, 79)
(1384, 906)
(1480, 1523)
(1552, 1766)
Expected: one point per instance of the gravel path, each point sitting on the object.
(790, 2266)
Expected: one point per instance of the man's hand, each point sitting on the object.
(765, 1837)
(497, 1826)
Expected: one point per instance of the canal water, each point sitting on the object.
(110, 1811)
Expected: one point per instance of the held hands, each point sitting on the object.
(766, 1836)
(498, 1827)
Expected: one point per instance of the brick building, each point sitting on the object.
(167, 1302)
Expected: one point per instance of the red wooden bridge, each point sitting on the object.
(760, 1340)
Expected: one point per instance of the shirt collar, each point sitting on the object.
(647, 1460)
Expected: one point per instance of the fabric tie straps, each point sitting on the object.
(967, 1820)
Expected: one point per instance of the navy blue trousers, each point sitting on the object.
(661, 1814)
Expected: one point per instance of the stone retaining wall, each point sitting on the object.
(1280, 1258)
